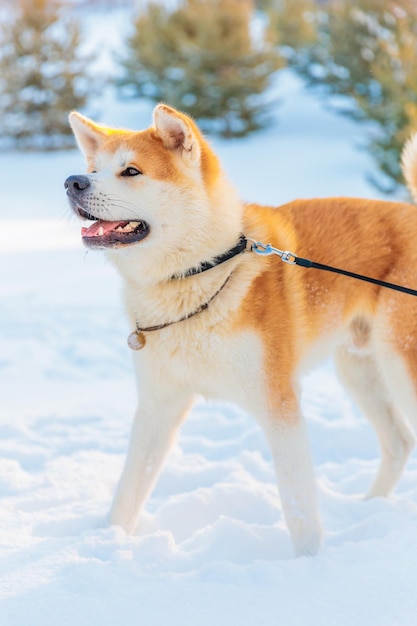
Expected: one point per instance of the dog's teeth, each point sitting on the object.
(100, 232)
(129, 227)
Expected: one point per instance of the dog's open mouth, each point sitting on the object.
(103, 234)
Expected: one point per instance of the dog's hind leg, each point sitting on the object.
(153, 433)
(362, 378)
(399, 369)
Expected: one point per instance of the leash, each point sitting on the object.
(292, 259)
(137, 339)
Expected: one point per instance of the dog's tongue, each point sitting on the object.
(101, 228)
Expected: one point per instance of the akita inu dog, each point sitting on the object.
(210, 317)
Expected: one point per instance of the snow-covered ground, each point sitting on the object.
(212, 548)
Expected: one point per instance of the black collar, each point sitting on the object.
(208, 265)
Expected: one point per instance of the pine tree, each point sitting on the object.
(42, 76)
(201, 57)
(367, 50)
(292, 21)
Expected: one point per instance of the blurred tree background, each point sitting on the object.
(217, 60)
(365, 50)
(201, 57)
(42, 75)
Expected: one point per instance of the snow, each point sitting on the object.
(212, 547)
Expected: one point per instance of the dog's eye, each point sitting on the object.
(130, 171)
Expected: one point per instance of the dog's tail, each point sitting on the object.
(409, 164)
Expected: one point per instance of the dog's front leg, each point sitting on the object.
(153, 433)
(287, 438)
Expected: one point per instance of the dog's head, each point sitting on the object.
(154, 189)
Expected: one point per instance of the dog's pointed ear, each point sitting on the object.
(178, 132)
(88, 134)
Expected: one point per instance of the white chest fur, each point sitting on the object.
(208, 363)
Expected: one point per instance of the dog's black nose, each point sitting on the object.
(77, 183)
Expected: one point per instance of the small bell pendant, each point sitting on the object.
(136, 340)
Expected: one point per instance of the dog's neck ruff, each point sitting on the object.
(137, 339)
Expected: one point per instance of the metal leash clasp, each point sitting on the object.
(265, 249)
(289, 257)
